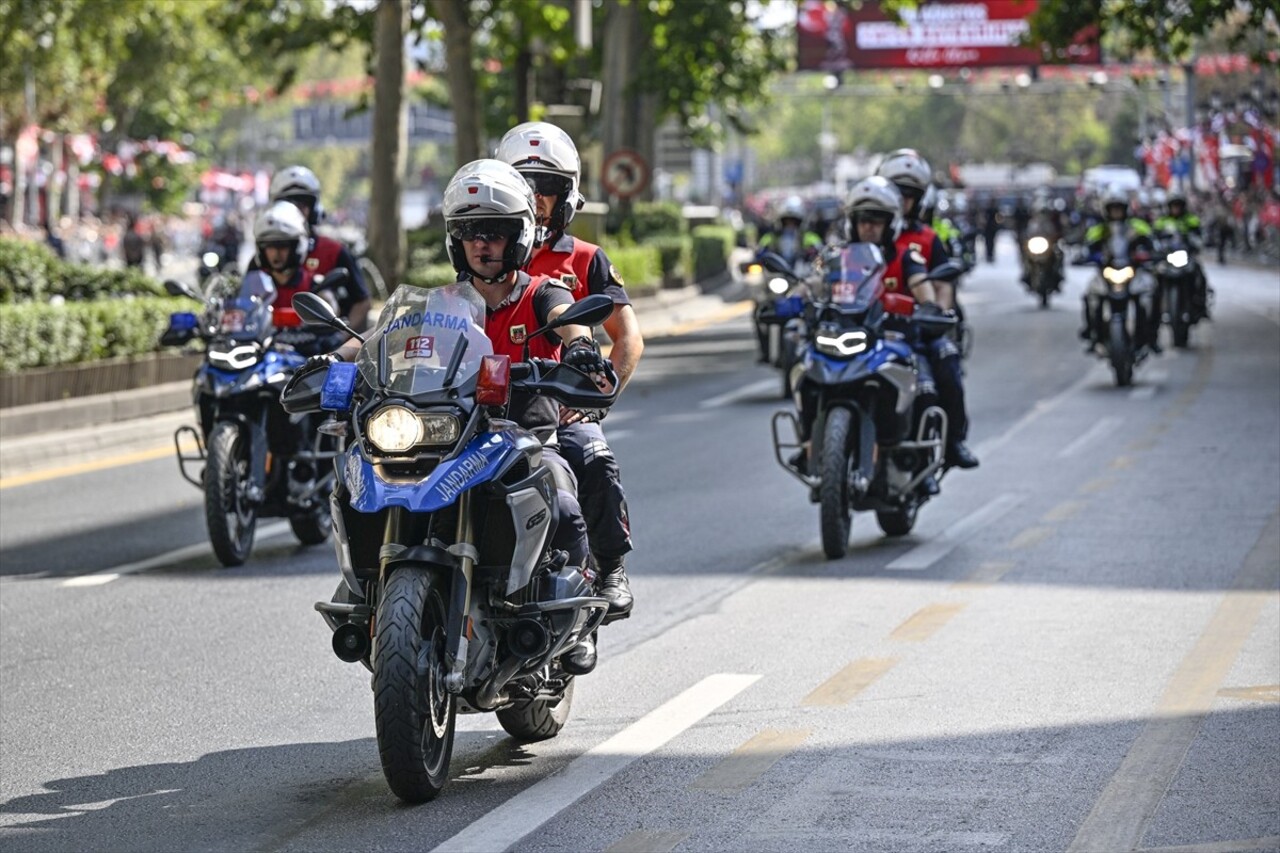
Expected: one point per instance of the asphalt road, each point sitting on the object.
(1078, 648)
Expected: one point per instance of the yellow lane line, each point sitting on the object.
(1094, 486)
(925, 622)
(92, 465)
(1029, 538)
(841, 688)
(1261, 693)
(987, 573)
(1063, 511)
(750, 761)
(729, 312)
(1128, 804)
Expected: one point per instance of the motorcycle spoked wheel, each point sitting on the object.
(227, 479)
(413, 713)
(1120, 350)
(835, 515)
(538, 719)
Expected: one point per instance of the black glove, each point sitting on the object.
(584, 354)
(324, 359)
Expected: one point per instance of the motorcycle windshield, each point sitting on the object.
(242, 309)
(419, 335)
(856, 279)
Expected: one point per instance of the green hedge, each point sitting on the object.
(35, 334)
(649, 219)
(430, 275)
(676, 256)
(31, 272)
(712, 245)
(639, 266)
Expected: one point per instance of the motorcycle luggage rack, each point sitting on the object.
(186, 458)
(779, 446)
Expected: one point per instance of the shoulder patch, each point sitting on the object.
(559, 282)
(917, 257)
(613, 274)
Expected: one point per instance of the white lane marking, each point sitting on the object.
(924, 556)
(90, 580)
(1143, 392)
(178, 555)
(1102, 428)
(615, 434)
(531, 808)
(1041, 407)
(755, 389)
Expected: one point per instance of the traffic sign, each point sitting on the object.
(625, 173)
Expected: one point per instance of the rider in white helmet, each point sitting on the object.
(546, 156)
(300, 186)
(791, 240)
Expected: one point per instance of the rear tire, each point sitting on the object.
(538, 719)
(228, 515)
(833, 492)
(414, 715)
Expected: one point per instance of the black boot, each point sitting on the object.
(612, 585)
(959, 456)
(580, 659)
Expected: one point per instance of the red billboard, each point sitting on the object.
(839, 35)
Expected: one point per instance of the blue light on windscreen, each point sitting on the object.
(338, 387)
(181, 321)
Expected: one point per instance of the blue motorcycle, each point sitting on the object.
(868, 434)
(252, 459)
(443, 513)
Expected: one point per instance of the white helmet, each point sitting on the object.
(282, 222)
(491, 196)
(876, 194)
(1115, 195)
(792, 208)
(911, 172)
(298, 182)
(543, 152)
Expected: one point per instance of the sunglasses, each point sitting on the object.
(872, 218)
(279, 244)
(546, 184)
(485, 229)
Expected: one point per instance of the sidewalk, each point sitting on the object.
(33, 437)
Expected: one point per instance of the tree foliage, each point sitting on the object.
(1166, 28)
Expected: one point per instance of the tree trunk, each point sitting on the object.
(390, 141)
(620, 126)
(468, 120)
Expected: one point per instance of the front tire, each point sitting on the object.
(228, 512)
(1121, 351)
(833, 492)
(538, 719)
(1178, 324)
(414, 715)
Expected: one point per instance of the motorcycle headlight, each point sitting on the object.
(210, 259)
(843, 344)
(236, 358)
(1178, 258)
(1037, 245)
(395, 429)
(778, 285)
(1118, 276)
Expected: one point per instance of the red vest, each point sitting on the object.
(323, 256)
(921, 241)
(299, 282)
(509, 325)
(575, 263)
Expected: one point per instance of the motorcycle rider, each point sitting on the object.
(1117, 233)
(281, 241)
(299, 185)
(490, 232)
(1179, 220)
(911, 175)
(792, 240)
(873, 213)
(1044, 223)
(547, 157)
